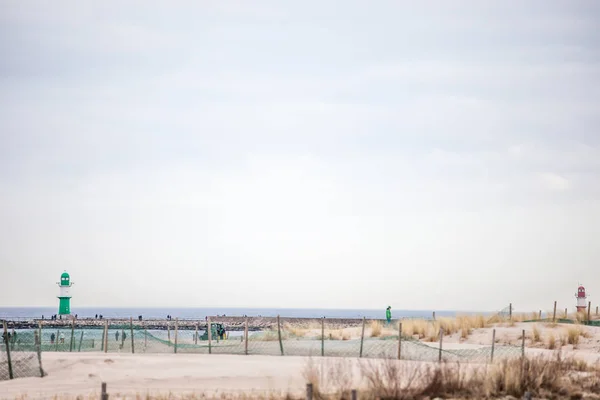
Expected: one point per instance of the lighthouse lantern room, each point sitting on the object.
(64, 306)
(581, 297)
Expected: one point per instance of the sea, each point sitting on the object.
(17, 313)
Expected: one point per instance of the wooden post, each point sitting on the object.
(354, 395)
(102, 342)
(362, 337)
(208, 327)
(323, 337)
(441, 341)
(493, 344)
(39, 350)
(540, 315)
(566, 314)
(176, 334)
(40, 332)
(279, 334)
(309, 391)
(589, 311)
(596, 310)
(145, 337)
(57, 339)
(80, 340)
(523, 344)
(246, 337)
(510, 311)
(72, 334)
(554, 313)
(103, 395)
(131, 331)
(434, 315)
(196, 334)
(169, 332)
(399, 340)
(6, 342)
(106, 336)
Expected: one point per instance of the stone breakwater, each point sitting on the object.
(230, 323)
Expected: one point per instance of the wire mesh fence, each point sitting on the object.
(252, 336)
(20, 354)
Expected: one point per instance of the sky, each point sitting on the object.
(424, 155)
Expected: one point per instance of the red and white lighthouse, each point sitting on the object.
(581, 297)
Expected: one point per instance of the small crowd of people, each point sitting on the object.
(10, 337)
(61, 338)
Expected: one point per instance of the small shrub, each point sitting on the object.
(376, 328)
(573, 334)
(551, 342)
(536, 334)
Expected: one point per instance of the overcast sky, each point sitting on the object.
(335, 154)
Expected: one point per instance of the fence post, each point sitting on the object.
(510, 311)
(493, 344)
(399, 340)
(279, 334)
(131, 331)
(40, 332)
(566, 313)
(596, 310)
(80, 340)
(10, 370)
(169, 331)
(523, 344)
(309, 391)
(106, 336)
(441, 341)
(103, 395)
(323, 337)
(208, 327)
(196, 334)
(39, 350)
(554, 313)
(57, 339)
(433, 315)
(589, 311)
(246, 337)
(362, 337)
(103, 334)
(176, 334)
(354, 395)
(72, 334)
(540, 315)
(145, 336)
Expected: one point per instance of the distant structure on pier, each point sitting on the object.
(581, 297)
(64, 305)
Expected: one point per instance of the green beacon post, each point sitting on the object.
(64, 305)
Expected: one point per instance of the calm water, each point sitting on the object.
(200, 313)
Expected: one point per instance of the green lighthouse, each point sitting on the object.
(64, 307)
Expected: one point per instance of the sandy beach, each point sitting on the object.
(74, 374)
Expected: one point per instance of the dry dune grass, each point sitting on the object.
(541, 377)
(376, 328)
(430, 330)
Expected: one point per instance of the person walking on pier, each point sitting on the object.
(388, 314)
(117, 336)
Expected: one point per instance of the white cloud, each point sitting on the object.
(554, 182)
